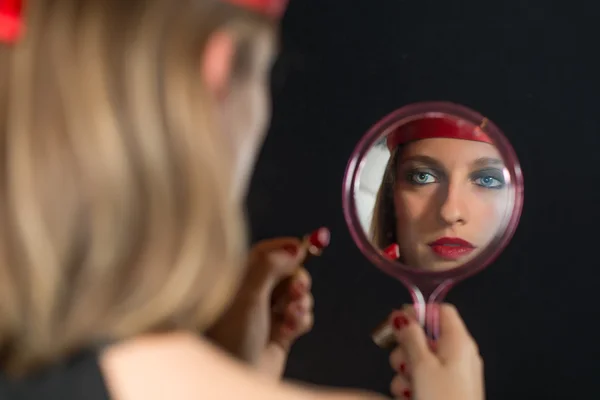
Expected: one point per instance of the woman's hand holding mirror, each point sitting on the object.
(450, 369)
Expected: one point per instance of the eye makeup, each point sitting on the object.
(489, 178)
(422, 175)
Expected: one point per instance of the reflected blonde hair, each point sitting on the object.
(116, 210)
(383, 222)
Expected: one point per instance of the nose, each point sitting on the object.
(453, 208)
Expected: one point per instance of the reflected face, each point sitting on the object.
(450, 198)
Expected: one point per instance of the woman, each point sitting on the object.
(443, 196)
(129, 131)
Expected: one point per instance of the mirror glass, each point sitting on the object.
(433, 192)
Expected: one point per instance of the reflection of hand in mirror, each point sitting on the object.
(392, 252)
(443, 196)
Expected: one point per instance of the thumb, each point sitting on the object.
(412, 338)
(455, 340)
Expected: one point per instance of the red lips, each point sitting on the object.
(451, 248)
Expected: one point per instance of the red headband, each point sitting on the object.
(436, 127)
(10, 20)
(271, 8)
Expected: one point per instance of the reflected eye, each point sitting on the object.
(421, 178)
(491, 178)
(489, 182)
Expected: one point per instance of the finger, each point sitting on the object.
(417, 312)
(398, 361)
(271, 254)
(298, 315)
(280, 243)
(291, 289)
(300, 283)
(280, 295)
(272, 260)
(400, 387)
(410, 311)
(284, 247)
(301, 306)
(455, 341)
(392, 252)
(305, 323)
(384, 336)
(282, 262)
(293, 326)
(287, 309)
(411, 337)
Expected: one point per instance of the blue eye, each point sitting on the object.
(421, 178)
(489, 182)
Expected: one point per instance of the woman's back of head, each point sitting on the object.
(117, 216)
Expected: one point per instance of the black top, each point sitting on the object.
(78, 379)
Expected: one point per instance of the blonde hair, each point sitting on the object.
(383, 222)
(116, 210)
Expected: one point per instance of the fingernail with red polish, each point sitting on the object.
(400, 321)
(299, 288)
(290, 248)
(407, 394)
(320, 238)
(392, 252)
(402, 368)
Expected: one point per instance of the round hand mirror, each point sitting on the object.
(432, 194)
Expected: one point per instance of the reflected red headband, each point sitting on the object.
(436, 127)
(12, 26)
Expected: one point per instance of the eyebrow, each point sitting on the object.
(488, 162)
(478, 163)
(423, 159)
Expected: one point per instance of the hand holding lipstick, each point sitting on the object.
(291, 300)
(274, 304)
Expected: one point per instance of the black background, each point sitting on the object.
(533, 68)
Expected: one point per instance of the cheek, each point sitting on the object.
(489, 214)
(252, 116)
(259, 114)
(410, 207)
(247, 119)
(263, 101)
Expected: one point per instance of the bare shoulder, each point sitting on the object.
(174, 366)
(182, 366)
